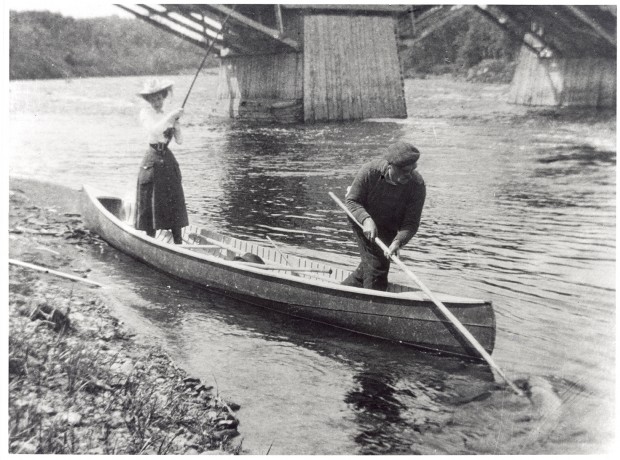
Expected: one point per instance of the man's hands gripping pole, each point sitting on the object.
(370, 231)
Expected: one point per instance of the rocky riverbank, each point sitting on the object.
(80, 382)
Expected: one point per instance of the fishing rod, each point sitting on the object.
(201, 66)
(205, 58)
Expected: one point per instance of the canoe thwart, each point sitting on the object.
(266, 276)
(284, 267)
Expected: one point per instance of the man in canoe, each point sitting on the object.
(160, 201)
(386, 197)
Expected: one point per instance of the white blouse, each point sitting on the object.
(156, 123)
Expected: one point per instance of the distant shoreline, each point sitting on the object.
(188, 71)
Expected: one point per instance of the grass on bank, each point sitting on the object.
(79, 385)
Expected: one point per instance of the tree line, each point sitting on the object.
(468, 46)
(48, 45)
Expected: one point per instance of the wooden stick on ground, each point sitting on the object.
(52, 272)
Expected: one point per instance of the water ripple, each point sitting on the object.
(520, 210)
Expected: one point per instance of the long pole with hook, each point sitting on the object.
(447, 313)
(205, 58)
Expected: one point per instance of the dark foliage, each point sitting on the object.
(461, 47)
(49, 45)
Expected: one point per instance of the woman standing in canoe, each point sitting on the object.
(160, 201)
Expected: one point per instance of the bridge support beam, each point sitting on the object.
(262, 87)
(585, 82)
(351, 68)
(348, 69)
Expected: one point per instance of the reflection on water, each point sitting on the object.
(275, 181)
(377, 411)
(520, 210)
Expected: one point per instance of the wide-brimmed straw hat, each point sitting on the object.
(154, 85)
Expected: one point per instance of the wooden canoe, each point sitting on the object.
(294, 285)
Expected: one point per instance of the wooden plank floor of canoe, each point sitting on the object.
(268, 254)
(265, 252)
(194, 235)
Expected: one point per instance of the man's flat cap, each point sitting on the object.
(401, 154)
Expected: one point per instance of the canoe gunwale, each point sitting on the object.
(407, 297)
(402, 317)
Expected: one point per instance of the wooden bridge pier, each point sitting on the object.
(296, 63)
(568, 57)
(565, 82)
(346, 67)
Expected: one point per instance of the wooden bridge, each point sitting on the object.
(317, 63)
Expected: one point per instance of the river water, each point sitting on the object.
(521, 210)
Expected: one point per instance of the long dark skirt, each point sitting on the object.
(160, 201)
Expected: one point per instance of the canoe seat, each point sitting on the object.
(113, 205)
(121, 209)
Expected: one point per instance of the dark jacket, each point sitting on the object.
(396, 209)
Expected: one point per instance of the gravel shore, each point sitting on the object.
(80, 382)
